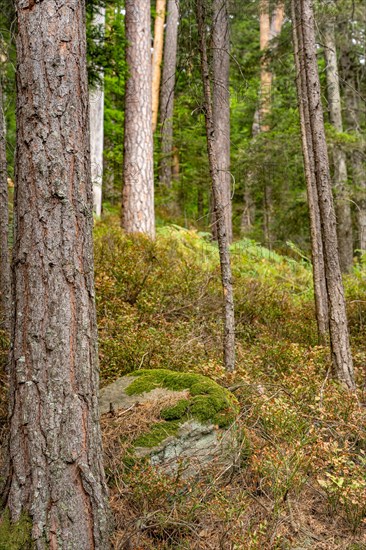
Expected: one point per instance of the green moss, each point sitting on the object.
(157, 434)
(15, 536)
(207, 402)
(177, 411)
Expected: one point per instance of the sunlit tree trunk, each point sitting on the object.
(167, 93)
(221, 104)
(157, 58)
(4, 227)
(338, 327)
(226, 277)
(138, 174)
(55, 453)
(340, 183)
(320, 289)
(96, 100)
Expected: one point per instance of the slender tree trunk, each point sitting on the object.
(266, 75)
(320, 289)
(221, 104)
(167, 93)
(339, 337)
(226, 277)
(4, 228)
(138, 186)
(55, 450)
(157, 58)
(340, 184)
(96, 101)
(358, 155)
(269, 29)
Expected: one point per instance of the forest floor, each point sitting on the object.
(298, 480)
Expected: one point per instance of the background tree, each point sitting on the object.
(96, 102)
(338, 327)
(157, 58)
(221, 104)
(226, 277)
(55, 456)
(340, 178)
(167, 92)
(319, 280)
(138, 175)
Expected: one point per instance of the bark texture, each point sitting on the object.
(340, 180)
(96, 101)
(167, 93)
(55, 451)
(266, 75)
(138, 185)
(4, 228)
(157, 59)
(320, 289)
(221, 105)
(338, 327)
(226, 277)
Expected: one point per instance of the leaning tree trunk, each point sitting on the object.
(338, 327)
(138, 173)
(167, 93)
(340, 184)
(226, 277)
(320, 289)
(157, 59)
(4, 228)
(55, 450)
(221, 105)
(96, 100)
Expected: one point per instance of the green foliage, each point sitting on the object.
(15, 536)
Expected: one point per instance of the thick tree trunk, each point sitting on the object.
(339, 337)
(4, 228)
(55, 450)
(221, 104)
(340, 182)
(138, 185)
(226, 277)
(157, 58)
(320, 289)
(96, 101)
(167, 93)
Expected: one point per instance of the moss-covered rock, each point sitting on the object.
(15, 536)
(207, 402)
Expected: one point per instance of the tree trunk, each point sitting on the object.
(340, 183)
(157, 58)
(226, 277)
(266, 75)
(55, 450)
(320, 289)
(167, 93)
(4, 228)
(358, 155)
(138, 185)
(221, 104)
(339, 337)
(96, 101)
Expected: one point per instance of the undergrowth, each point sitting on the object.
(302, 483)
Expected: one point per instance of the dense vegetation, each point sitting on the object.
(299, 476)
